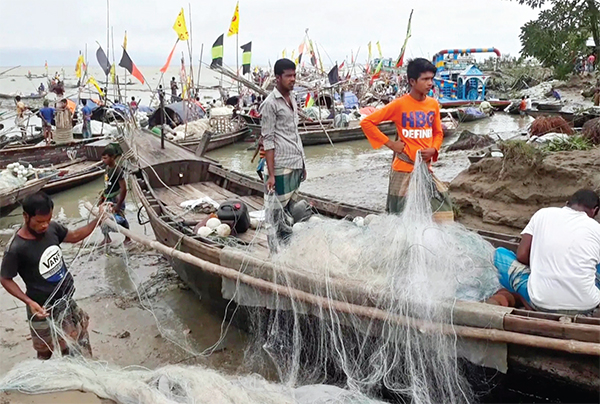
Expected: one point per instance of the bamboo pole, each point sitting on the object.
(491, 335)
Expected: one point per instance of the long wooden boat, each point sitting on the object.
(44, 155)
(10, 199)
(498, 104)
(168, 178)
(218, 140)
(576, 120)
(74, 174)
(315, 133)
(36, 96)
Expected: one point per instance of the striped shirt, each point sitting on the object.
(280, 131)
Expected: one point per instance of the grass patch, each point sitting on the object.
(569, 144)
(519, 156)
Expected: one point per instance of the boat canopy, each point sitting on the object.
(177, 114)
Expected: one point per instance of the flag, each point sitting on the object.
(370, 53)
(113, 76)
(342, 65)
(46, 67)
(377, 71)
(166, 66)
(313, 57)
(125, 41)
(293, 54)
(93, 81)
(300, 51)
(180, 27)
(234, 28)
(246, 57)
(217, 52)
(284, 53)
(79, 66)
(400, 61)
(103, 60)
(310, 101)
(333, 75)
(379, 50)
(128, 64)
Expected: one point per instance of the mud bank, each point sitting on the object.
(495, 194)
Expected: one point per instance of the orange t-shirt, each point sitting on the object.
(418, 123)
(523, 105)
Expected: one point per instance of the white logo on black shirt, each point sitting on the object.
(51, 266)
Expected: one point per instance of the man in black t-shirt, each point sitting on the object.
(115, 192)
(34, 254)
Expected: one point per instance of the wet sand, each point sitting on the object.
(122, 332)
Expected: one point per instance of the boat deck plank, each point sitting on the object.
(173, 197)
(148, 149)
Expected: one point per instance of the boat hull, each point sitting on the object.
(499, 104)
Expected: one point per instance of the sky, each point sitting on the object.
(42, 30)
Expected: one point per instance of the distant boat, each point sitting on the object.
(31, 96)
(470, 114)
(459, 82)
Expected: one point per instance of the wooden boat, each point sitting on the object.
(35, 96)
(73, 174)
(470, 115)
(549, 106)
(498, 104)
(577, 120)
(217, 140)
(10, 199)
(312, 133)
(44, 155)
(168, 178)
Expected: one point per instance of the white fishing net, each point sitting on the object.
(408, 266)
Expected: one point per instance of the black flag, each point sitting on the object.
(217, 52)
(128, 64)
(246, 57)
(103, 60)
(333, 75)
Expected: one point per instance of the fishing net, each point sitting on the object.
(166, 385)
(408, 267)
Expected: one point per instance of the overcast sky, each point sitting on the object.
(36, 30)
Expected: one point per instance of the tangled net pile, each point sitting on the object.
(408, 266)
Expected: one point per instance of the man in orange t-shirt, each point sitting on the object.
(417, 119)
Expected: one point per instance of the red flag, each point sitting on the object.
(342, 65)
(128, 64)
(166, 66)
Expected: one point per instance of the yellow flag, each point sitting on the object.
(78, 66)
(379, 49)
(370, 53)
(293, 54)
(234, 28)
(180, 27)
(284, 53)
(113, 74)
(125, 41)
(93, 82)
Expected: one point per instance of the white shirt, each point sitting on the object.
(564, 253)
(528, 103)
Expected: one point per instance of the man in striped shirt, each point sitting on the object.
(284, 152)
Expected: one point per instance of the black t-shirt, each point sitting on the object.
(40, 264)
(111, 181)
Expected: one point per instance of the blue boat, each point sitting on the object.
(458, 81)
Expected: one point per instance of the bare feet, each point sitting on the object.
(107, 241)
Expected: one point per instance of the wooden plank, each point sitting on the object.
(551, 328)
(556, 317)
(226, 193)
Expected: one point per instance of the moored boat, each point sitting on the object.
(10, 198)
(175, 175)
(470, 114)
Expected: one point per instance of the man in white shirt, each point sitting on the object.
(556, 267)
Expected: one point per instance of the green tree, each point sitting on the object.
(560, 32)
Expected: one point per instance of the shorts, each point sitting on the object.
(74, 323)
(514, 276)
